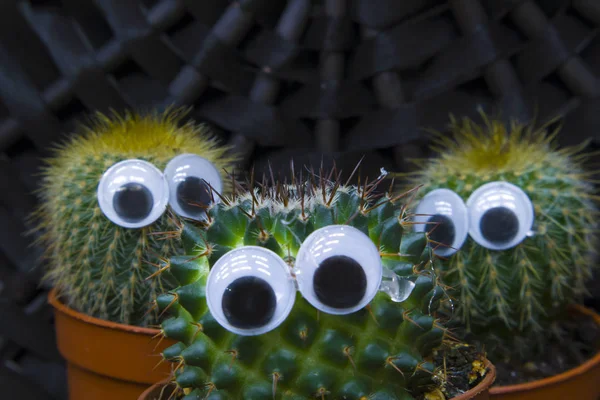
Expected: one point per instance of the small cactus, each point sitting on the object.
(514, 219)
(312, 289)
(100, 239)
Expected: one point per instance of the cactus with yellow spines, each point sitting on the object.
(514, 218)
(301, 290)
(100, 250)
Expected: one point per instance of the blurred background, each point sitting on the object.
(312, 81)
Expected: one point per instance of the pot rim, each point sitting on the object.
(481, 387)
(551, 380)
(55, 302)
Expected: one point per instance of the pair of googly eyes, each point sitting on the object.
(251, 290)
(134, 193)
(497, 215)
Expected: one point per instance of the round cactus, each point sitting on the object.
(104, 195)
(513, 218)
(312, 289)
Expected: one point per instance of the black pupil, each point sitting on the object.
(340, 282)
(192, 194)
(499, 225)
(249, 302)
(441, 229)
(133, 202)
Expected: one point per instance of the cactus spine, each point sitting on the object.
(382, 351)
(101, 268)
(510, 297)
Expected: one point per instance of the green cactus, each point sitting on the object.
(99, 258)
(516, 216)
(243, 331)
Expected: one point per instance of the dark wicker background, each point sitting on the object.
(309, 80)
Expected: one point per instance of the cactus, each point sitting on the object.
(362, 323)
(99, 255)
(513, 218)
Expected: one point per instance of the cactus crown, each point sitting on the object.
(158, 136)
(520, 215)
(329, 337)
(494, 147)
(98, 266)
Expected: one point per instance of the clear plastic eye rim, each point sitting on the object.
(355, 244)
(136, 171)
(447, 203)
(191, 165)
(495, 194)
(251, 261)
(399, 289)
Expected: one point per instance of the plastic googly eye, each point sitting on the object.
(250, 290)
(189, 177)
(501, 215)
(133, 193)
(443, 214)
(338, 269)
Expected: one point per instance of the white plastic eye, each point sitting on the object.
(188, 175)
(338, 269)
(250, 290)
(501, 215)
(444, 215)
(133, 193)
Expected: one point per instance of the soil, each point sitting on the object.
(464, 369)
(578, 342)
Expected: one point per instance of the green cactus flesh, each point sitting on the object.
(99, 267)
(509, 297)
(382, 351)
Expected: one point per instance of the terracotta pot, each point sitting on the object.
(581, 383)
(106, 360)
(479, 392)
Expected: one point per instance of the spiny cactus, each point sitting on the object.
(362, 323)
(103, 198)
(520, 216)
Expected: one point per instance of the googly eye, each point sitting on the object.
(189, 176)
(501, 215)
(250, 290)
(133, 193)
(338, 269)
(443, 214)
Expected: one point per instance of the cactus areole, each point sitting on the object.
(514, 218)
(305, 289)
(106, 192)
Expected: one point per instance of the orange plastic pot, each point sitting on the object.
(162, 390)
(106, 360)
(581, 383)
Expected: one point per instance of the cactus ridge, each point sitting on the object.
(98, 267)
(516, 293)
(382, 351)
